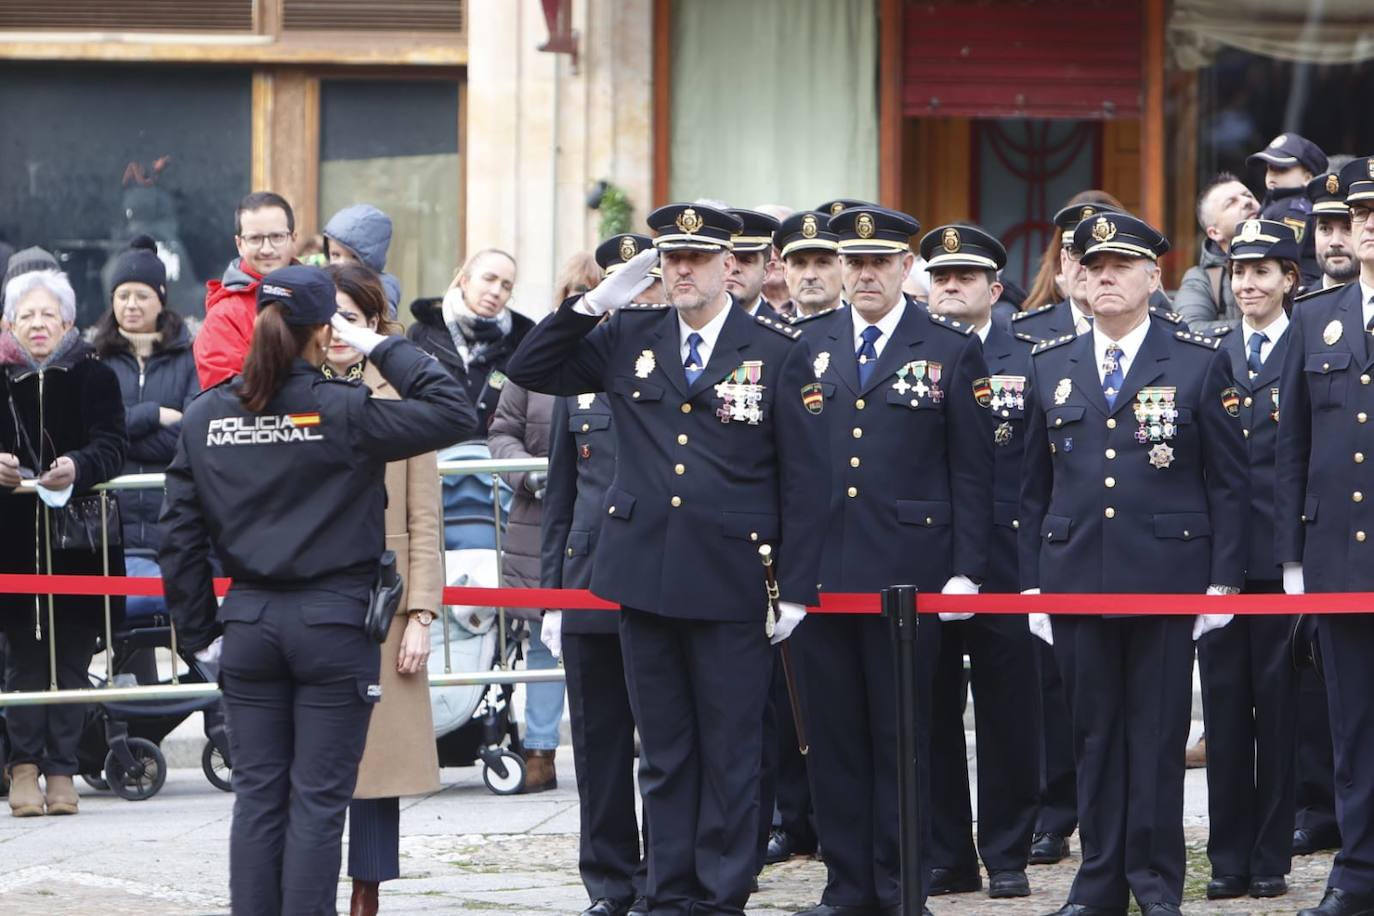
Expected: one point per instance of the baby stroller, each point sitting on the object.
(473, 723)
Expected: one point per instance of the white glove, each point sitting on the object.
(1206, 623)
(1292, 579)
(360, 338)
(551, 632)
(1039, 623)
(620, 288)
(210, 654)
(789, 613)
(957, 585)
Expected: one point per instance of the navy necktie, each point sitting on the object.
(693, 366)
(1112, 376)
(867, 355)
(1257, 340)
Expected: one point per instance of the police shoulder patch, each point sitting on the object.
(1035, 311)
(772, 324)
(644, 307)
(1053, 342)
(962, 327)
(803, 319)
(1200, 340)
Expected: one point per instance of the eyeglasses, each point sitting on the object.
(277, 239)
(1074, 254)
(1359, 215)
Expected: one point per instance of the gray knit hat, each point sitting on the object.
(27, 261)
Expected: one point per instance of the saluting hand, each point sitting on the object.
(360, 338)
(620, 288)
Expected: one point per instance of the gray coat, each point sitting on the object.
(1196, 300)
(520, 429)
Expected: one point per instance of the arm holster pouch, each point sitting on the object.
(385, 598)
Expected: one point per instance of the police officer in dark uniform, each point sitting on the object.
(833, 208)
(1290, 161)
(1134, 481)
(718, 454)
(963, 262)
(280, 473)
(753, 246)
(581, 465)
(1249, 685)
(1323, 528)
(1071, 315)
(909, 503)
(810, 254)
(1330, 230)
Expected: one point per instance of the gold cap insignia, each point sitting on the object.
(1104, 230)
(864, 226)
(1250, 230)
(808, 227)
(1086, 212)
(836, 208)
(950, 240)
(1333, 184)
(1278, 141)
(689, 221)
(628, 248)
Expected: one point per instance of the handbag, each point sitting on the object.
(76, 526)
(385, 598)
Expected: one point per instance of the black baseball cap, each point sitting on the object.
(1288, 150)
(306, 294)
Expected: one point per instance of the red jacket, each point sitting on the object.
(231, 306)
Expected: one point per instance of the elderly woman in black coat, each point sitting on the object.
(62, 422)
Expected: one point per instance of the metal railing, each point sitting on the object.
(112, 692)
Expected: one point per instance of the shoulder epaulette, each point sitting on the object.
(962, 327)
(645, 307)
(1168, 315)
(1053, 342)
(1035, 311)
(803, 319)
(1201, 340)
(1028, 338)
(786, 330)
(1320, 292)
(1220, 330)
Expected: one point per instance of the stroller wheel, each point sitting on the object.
(145, 778)
(216, 767)
(96, 781)
(509, 782)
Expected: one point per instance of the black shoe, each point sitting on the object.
(1341, 903)
(954, 881)
(826, 909)
(754, 888)
(639, 908)
(1306, 842)
(1268, 886)
(782, 846)
(1080, 909)
(1224, 887)
(605, 906)
(1160, 909)
(1048, 848)
(1009, 883)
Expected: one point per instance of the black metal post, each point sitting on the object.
(899, 607)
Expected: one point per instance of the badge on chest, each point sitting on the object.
(919, 380)
(741, 394)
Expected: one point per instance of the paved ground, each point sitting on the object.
(463, 851)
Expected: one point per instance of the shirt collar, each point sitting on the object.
(887, 324)
(710, 333)
(1366, 292)
(1274, 330)
(984, 331)
(1130, 344)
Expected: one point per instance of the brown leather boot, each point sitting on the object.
(364, 901)
(62, 797)
(540, 773)
(26, 799)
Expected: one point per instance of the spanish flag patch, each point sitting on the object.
(982, 391)
(813, 397)
(304, 419)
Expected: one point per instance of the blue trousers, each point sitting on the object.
(374, 839)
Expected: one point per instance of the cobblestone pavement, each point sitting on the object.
(464, 851)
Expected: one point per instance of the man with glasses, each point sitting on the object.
(265, 235)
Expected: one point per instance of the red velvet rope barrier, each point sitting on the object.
(839, 603)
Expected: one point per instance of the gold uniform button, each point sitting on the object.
(1111, 453)
(1364, 379)
(1111, 422)
(1325, 366)
(1015, 523)
(1359, 457)
(853, 491)
(854, 462)
(858, 433)
(1362, 417)
(1359, 536)
(1058, 421)
(611, 511)
(1110, 482)
(753, 535)
(1185, 533)
(635, 395)
(1249, 401)
(676, 501)
(686, 408)
(682, 439)
(859, 404)
(586, 426)
(679, 469)
(569, 551)
(929, 520)
(1245, 433)
(1357, 496)
(1110, 513)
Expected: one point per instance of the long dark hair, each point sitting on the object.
(107, 340)
(364, 287)
(275, 344)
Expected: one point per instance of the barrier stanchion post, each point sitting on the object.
(500, 562)
(105, 570)
(52, 620)
(443, 565)
(899, 607)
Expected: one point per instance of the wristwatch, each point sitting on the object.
(425, 618)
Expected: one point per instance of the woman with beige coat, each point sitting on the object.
(400, 757)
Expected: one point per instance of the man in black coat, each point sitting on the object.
(1134, 466)
(720, 451)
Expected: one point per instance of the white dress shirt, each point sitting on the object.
(1367, 302)
(887, 324)
(1274, 330)
(1081, 323)
(709, 334)
(1130, 346)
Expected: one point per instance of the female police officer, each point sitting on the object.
(281, 471)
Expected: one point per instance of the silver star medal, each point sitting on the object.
(1162, 455)
(645, 364)
(821, 363)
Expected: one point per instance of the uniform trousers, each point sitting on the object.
(849, 701)
(1129, 681)
(1249, 700)
(1315, 795)
(298, 691)
(1004, 680)
(49, 735)
(697, 688)
(603, 740)
(784, 793)
(1347, 645)
(1058, 778)
(374, 839)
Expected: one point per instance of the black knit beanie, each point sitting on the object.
(142, 265)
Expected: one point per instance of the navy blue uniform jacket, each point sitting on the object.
(1007, 355)
(1096, 514)
(693, 496)
(1259, 418)
(909, 499)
